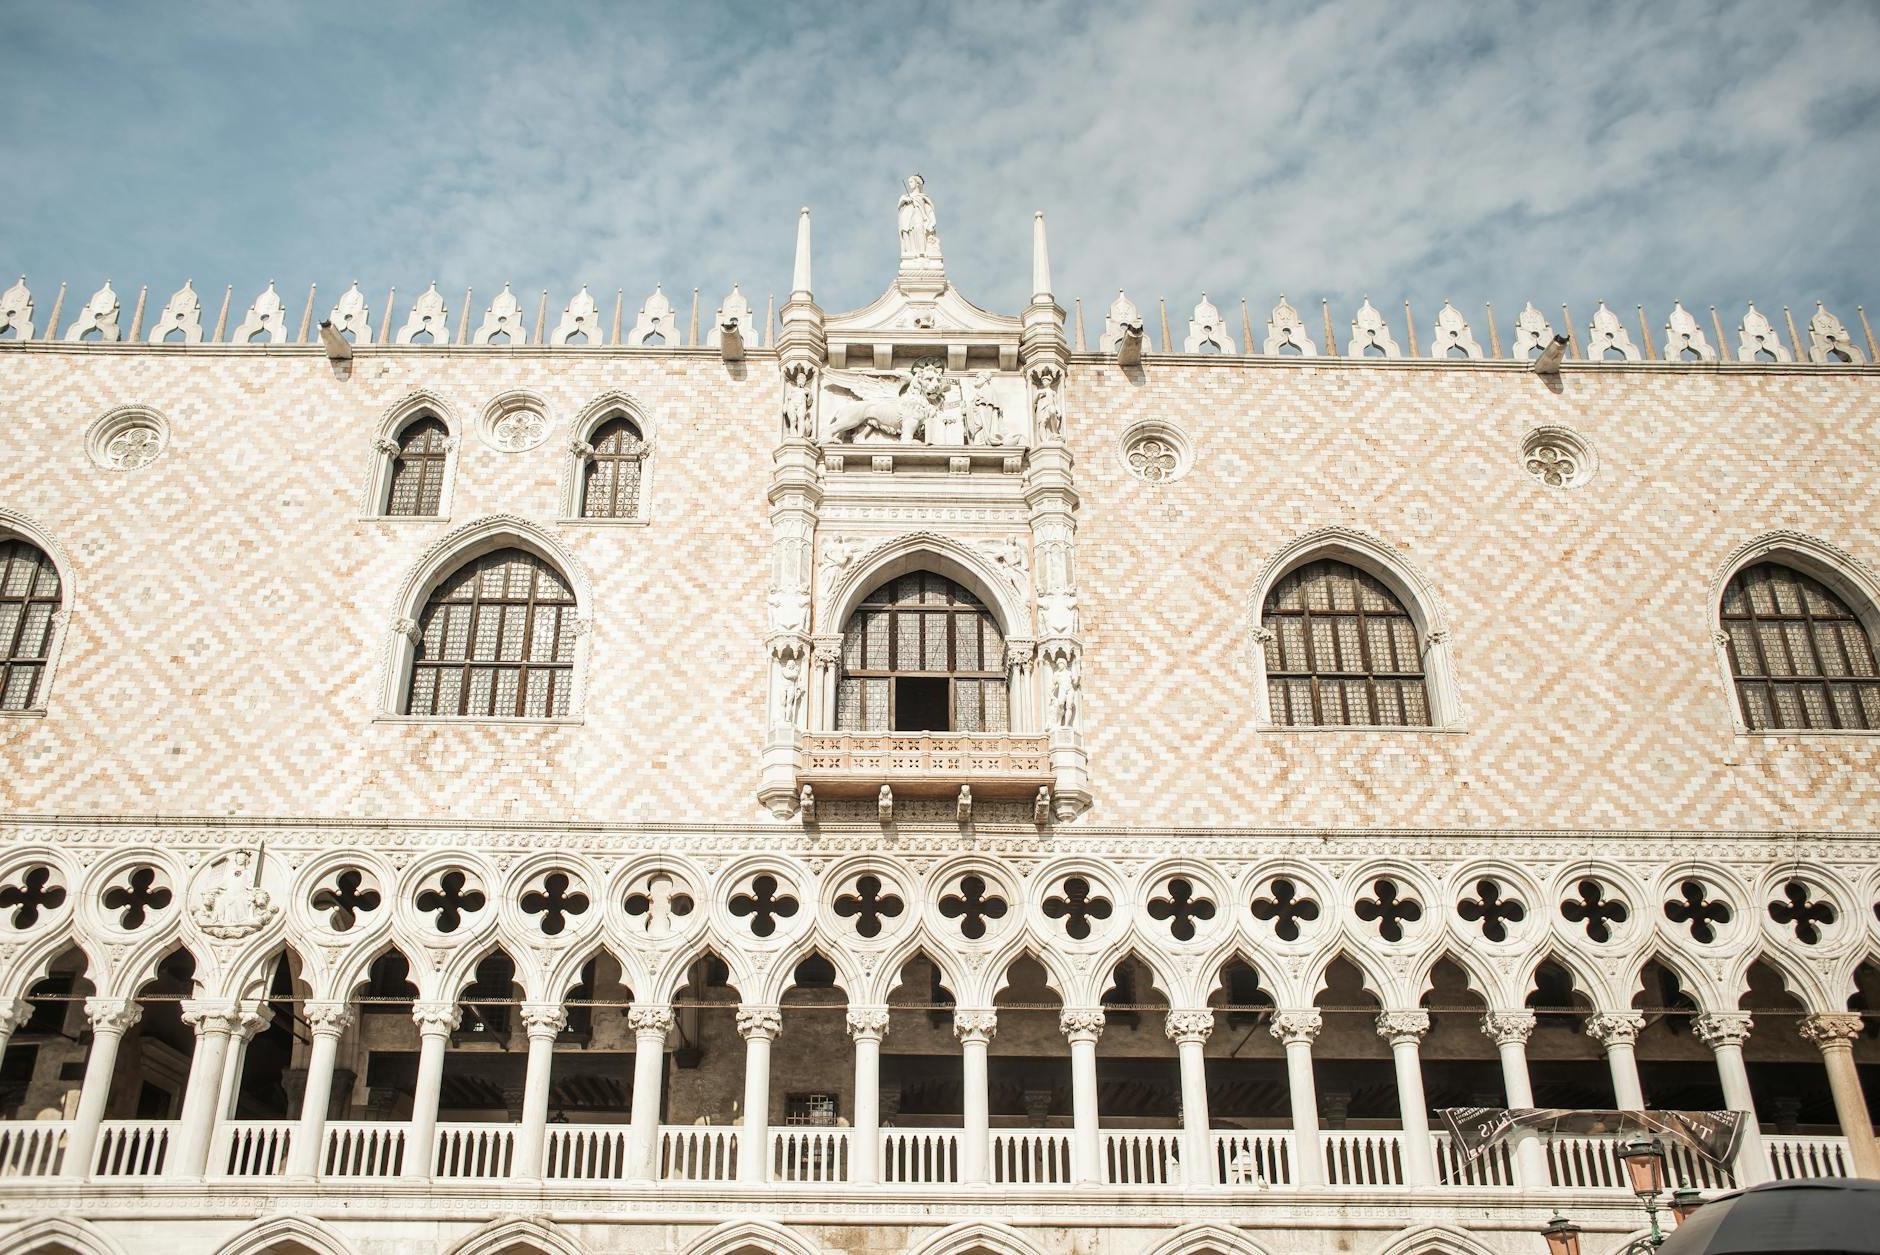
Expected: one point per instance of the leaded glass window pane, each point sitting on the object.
(417, 481)
(29, 596)
(610, 486)
(1786, 633)
(493, 641)
(908, 635)
(1344, 650)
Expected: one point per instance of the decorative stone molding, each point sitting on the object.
(975, 1025)
(734, 314)
(761, 1022)
(16, 310)
(1684, 334)
(1451, 334)
(1122, 324)
(1828, 340)
(127, 438)
(1610, 1027)
(1081, 1024)
(1828, 1030)
(1207, 330)
(650, 1019)
(1532, 333)
(1370, 331)
(656, 323)
(514, 422)
(868, 1023)
(99, 315)
(1757, 336)
(266, 320)
(428, 317)
(580, 317)
(1286, 329)
(350, 314)
(1156, 452)
(1722, 1028)
(1296, 1026)
(1397, 1027)
(503, 318)
(1509, 1028)
(1188, 1027)
(182, 315)
(1606, 334)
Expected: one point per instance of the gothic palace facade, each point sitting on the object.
(921, 779)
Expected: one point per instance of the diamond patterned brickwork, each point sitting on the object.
(1579, 622)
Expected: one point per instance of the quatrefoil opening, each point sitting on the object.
(33, 897)
(973, 906)
(346, 899)
(1800, 909)
(1284, 907)
(557, 902)
(1077, 904)
(137, 899)
(1595, 909)
(451, 901)
(766, 904)
(1695, 908)
(869, 906)
(1389, 908)
(1180, 906)
(1492, 909)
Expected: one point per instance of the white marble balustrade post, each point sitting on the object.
(1834, 1035)
(543, 1022)
(1189, 1030)
(1618, 1032)
(759, 1026)
(1404, 1031)
(214, 1022)
(110, 1018)
(1084, 1026)
(651, 1022)
(1510, 1031)
(974, 1029)
(867, 1026)
(328, 1022)
(436, 1022)
(1725, 1032)
(1296, 1030)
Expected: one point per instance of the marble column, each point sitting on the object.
(436, 1022)
(1296, 1030)
(1083, 1027)
(651, 1022)
(759, 1026)
(543, 1021)
(1834, 1035)
(1618, 1032)
(867, 1026)
(974, 1029)
(214, 1022)
(1725, 1032)
(1189, 1030)
(1404, 1031)
(1510, 1031)
(110, 1018)
(328, 1022)
(252, 1019)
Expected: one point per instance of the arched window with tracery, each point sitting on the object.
(1800, 656)
(1343, 651)
(29, 597)
(416, 485)
(610, 482)
(496, 639)
(922, 654)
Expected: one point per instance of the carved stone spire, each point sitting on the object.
(800, 282)
(1040, 262)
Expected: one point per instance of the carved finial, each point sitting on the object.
(181, 315)
(800, 281)
(1685, 335)
(1757, 336)
(265, 319)
(734, 315)
(657, 322)
(504, 318)
(352, 315)
(1370, 331)
(1606, 333)
(581, 318)
(428, 317)
(1828, 340)
(1285, 329)
(1040, 262)
(16, 310)
(100, 315)
(1452, 334)
(1123, 323)
(1206, 330)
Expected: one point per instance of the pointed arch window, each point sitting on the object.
(610, 480)
(497, 639)
(416, 483)
(1801, 658)
(29, 598)
(922, 654)
(1343, 651)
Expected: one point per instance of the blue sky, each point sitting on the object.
(1564, 152)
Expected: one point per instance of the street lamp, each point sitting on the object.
(1685, 1202)
(1644, 1162)
(1563, 1236)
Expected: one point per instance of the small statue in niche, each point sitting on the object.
(1067, 684)
(799, 402)
(985, 420)
(914, 216)
(790, 695)
(234, 904)
(1046, 408)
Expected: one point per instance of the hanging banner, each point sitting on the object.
(1712, 1134)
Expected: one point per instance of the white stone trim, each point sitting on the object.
(415, 404)
(1405, 581)
(1846, 576)
(24, 527)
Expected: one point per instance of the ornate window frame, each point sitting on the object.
(384, 449)
(505, 404)
(442, 559)
(614, 403)
(16, 526)
(1409, 585)
(1846, 576)
(114, 423)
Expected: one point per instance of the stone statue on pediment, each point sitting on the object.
(915, 216)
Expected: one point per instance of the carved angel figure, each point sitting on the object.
(888, 406)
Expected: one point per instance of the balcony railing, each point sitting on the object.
(1041, 1159)
(995, 764)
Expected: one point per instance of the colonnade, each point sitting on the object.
(223, 1027)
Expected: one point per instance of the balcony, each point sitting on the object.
(925, 764)
(707, 1158)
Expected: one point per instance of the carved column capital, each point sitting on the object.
(544, 1019)
(1398, 1027)
(328, 1019)
(436, 1019)
(1183, 1027)
(210, 1017)
(826, 651)
(251, 1019)
(868, 1023)
(113, 1015)
(1723, 1028)
(1082, 1023)
(13, 1013)
(386, 445)
(759, 1023)
(650, 1019)
(1615, 1027)
(1827, 1030)
(1509, 1028)
(1295, 1026)
(1019, 652)
(976, 1025)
